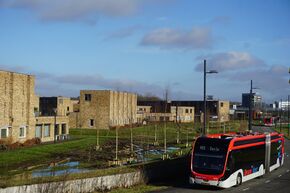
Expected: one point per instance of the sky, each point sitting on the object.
(149, 46)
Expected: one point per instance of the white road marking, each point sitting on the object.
(287, 171)
(279, 176)
(245, 189)
(266, 182)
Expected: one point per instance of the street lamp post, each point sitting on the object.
(55, 126)
(204, 94)
(288, 114)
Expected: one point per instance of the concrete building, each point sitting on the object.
(20, 115)
(104, 109)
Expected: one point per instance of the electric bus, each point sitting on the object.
(226, 160)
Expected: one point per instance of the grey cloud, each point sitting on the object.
(272, 80)
(230, 61)
(71, 10)
(167, 38)
(97, 81)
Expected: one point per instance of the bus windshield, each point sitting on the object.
(209, 155)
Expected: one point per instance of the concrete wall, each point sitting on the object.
(17, 102)
(155, 172)
(102, 183)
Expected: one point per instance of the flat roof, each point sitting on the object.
(16, 72)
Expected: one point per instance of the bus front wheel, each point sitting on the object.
(239, 179)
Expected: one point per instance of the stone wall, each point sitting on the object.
(64, 106)
(74, 120)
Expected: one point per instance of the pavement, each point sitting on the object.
(277, 181)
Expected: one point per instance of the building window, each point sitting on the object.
(67, 108)
(222, 104)
(88, 97)
(60, 101)
(92, 122)
(190, 110)
(38, 131)
(22, 131)
(63, 129)
(46, 130)
(4, 133)
(56, 129)
(186, 110)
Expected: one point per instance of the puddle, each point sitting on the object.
(65, 168)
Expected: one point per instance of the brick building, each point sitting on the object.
(17, 105)
(104, 109)
(62, 105)
(164, 111)
(20, 115)
(216, 109)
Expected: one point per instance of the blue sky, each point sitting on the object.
(146, 46)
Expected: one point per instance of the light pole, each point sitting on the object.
(204, 94)
(55, 126)
(250, 106)
(288, 114)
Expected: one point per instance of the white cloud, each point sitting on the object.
(196, 38)
(230, 61)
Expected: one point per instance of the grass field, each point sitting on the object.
(81, 146)
(283, 129)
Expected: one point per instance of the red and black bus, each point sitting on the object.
(269, 121)
(226, 160)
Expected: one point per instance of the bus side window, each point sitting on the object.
(231, 163)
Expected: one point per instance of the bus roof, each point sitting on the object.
(244, 139)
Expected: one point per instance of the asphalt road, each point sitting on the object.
(277, 181)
